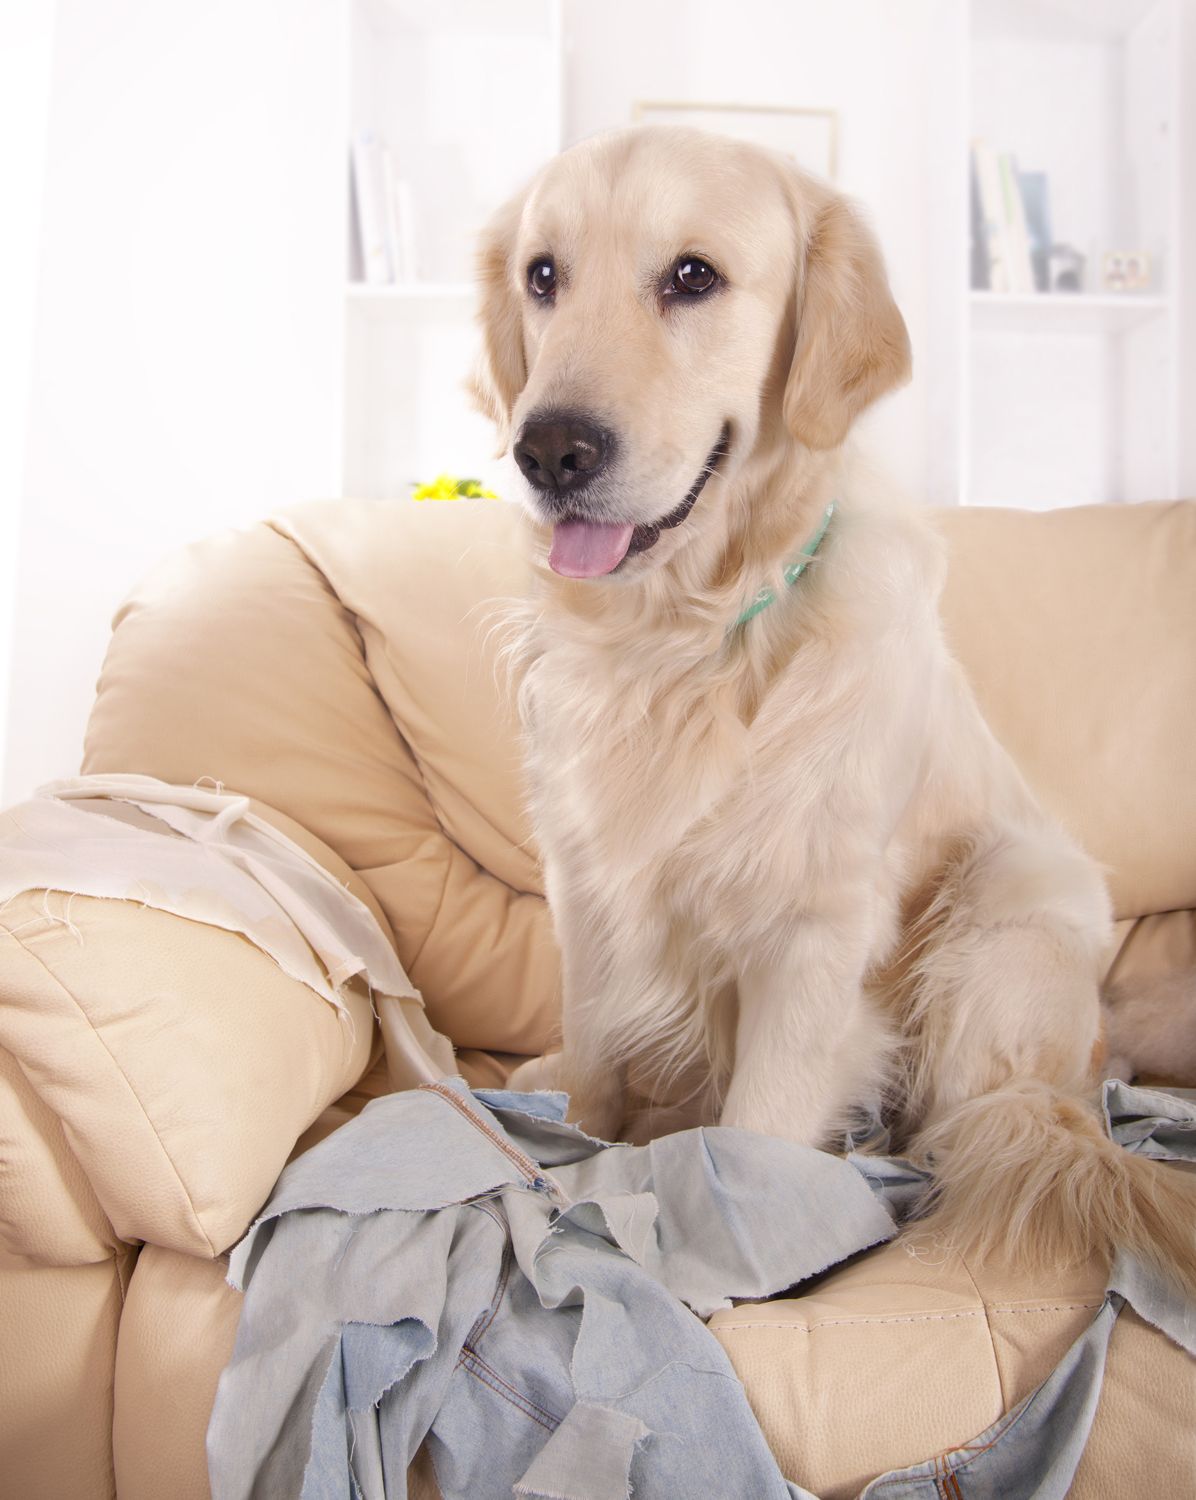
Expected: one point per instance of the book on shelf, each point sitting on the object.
(404, 200)
(1021, 271)
(369, 203)
(981, 262)
(1010, 222)
(384, 213)
(1036, 203)
(991, 216)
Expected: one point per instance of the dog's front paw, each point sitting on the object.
(536, 1074)
(781, 1118)
(652, 1121)
(597, 1111)
(596, 1105)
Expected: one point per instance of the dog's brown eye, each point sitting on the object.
(693, 276)
(541, 277)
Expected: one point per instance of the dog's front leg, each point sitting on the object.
(808, 1044)
(589, 1066)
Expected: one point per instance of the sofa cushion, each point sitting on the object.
(894, 1358)
(881, 1363)
(240, 660)
(343, 665)
(1077, 630)
(56, 1356)
(176, 1335)
(49, 1213)
(179, 1059)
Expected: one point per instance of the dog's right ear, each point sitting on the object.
(501, 372)
(852, 345)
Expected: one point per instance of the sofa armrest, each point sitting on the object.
(180, 1060)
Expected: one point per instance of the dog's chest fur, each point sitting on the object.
(720, 793)
(668, 808)
(622, 787)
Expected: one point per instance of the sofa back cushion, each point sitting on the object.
(342, 665)
(1077, 629)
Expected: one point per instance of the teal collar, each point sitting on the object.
(792, 572)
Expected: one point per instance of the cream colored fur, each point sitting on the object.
(791, 871)
(1150, 1026)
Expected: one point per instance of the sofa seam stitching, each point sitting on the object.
(276, 525)
(115, 1248)
(444, 885)
(866, 1321)
(992, 1342)
(54, 980)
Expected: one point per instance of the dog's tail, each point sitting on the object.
(1026, 1172)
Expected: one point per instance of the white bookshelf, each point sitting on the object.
(467, 96)
(1068, 397)
(1037, 400)
(1040, 313)
(415, 291)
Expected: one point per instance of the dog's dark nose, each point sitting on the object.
(561, 453)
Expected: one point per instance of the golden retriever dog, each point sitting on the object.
(784, 855)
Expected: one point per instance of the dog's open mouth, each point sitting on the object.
(589, 549)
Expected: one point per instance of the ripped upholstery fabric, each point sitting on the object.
(204, 854)
(470, 1271)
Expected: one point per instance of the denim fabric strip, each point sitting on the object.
(475, 1273)
(370, 1319)
(1160, 1123)
(601, 1440)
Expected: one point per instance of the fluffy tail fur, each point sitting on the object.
(1027, 1172)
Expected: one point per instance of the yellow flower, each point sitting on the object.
(445, 487)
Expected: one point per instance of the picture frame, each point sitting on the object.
(809, 136)
(1125, 271)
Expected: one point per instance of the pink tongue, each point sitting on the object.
(587, 549)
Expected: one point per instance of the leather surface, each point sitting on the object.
(885, 1362)
(180, 1060)
(1076, 629)
(58, 1327)
(895, 1358)
(237, 660)
(1156, 945)
(176, 1335)
(367, 637)
(49, 1213)
(337, 667)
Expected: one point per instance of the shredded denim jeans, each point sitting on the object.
(469, 1270)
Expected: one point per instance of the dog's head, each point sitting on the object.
(660, 308)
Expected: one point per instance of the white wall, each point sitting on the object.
(189, 260)
(880, 64)
(26, 46)
(189, 316)
(1186, 283)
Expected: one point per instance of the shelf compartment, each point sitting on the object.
(1063, 312)
(411, 291)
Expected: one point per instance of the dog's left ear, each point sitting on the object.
(852, 345)
(501, 372)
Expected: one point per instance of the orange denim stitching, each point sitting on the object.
(479, 1328)
(493, 1380)
(525, 1164)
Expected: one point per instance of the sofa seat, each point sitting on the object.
(341, 666)
(881, 1363)
(894, 1358)
(884, 1362)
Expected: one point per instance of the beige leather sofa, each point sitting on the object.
(156, 1074)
